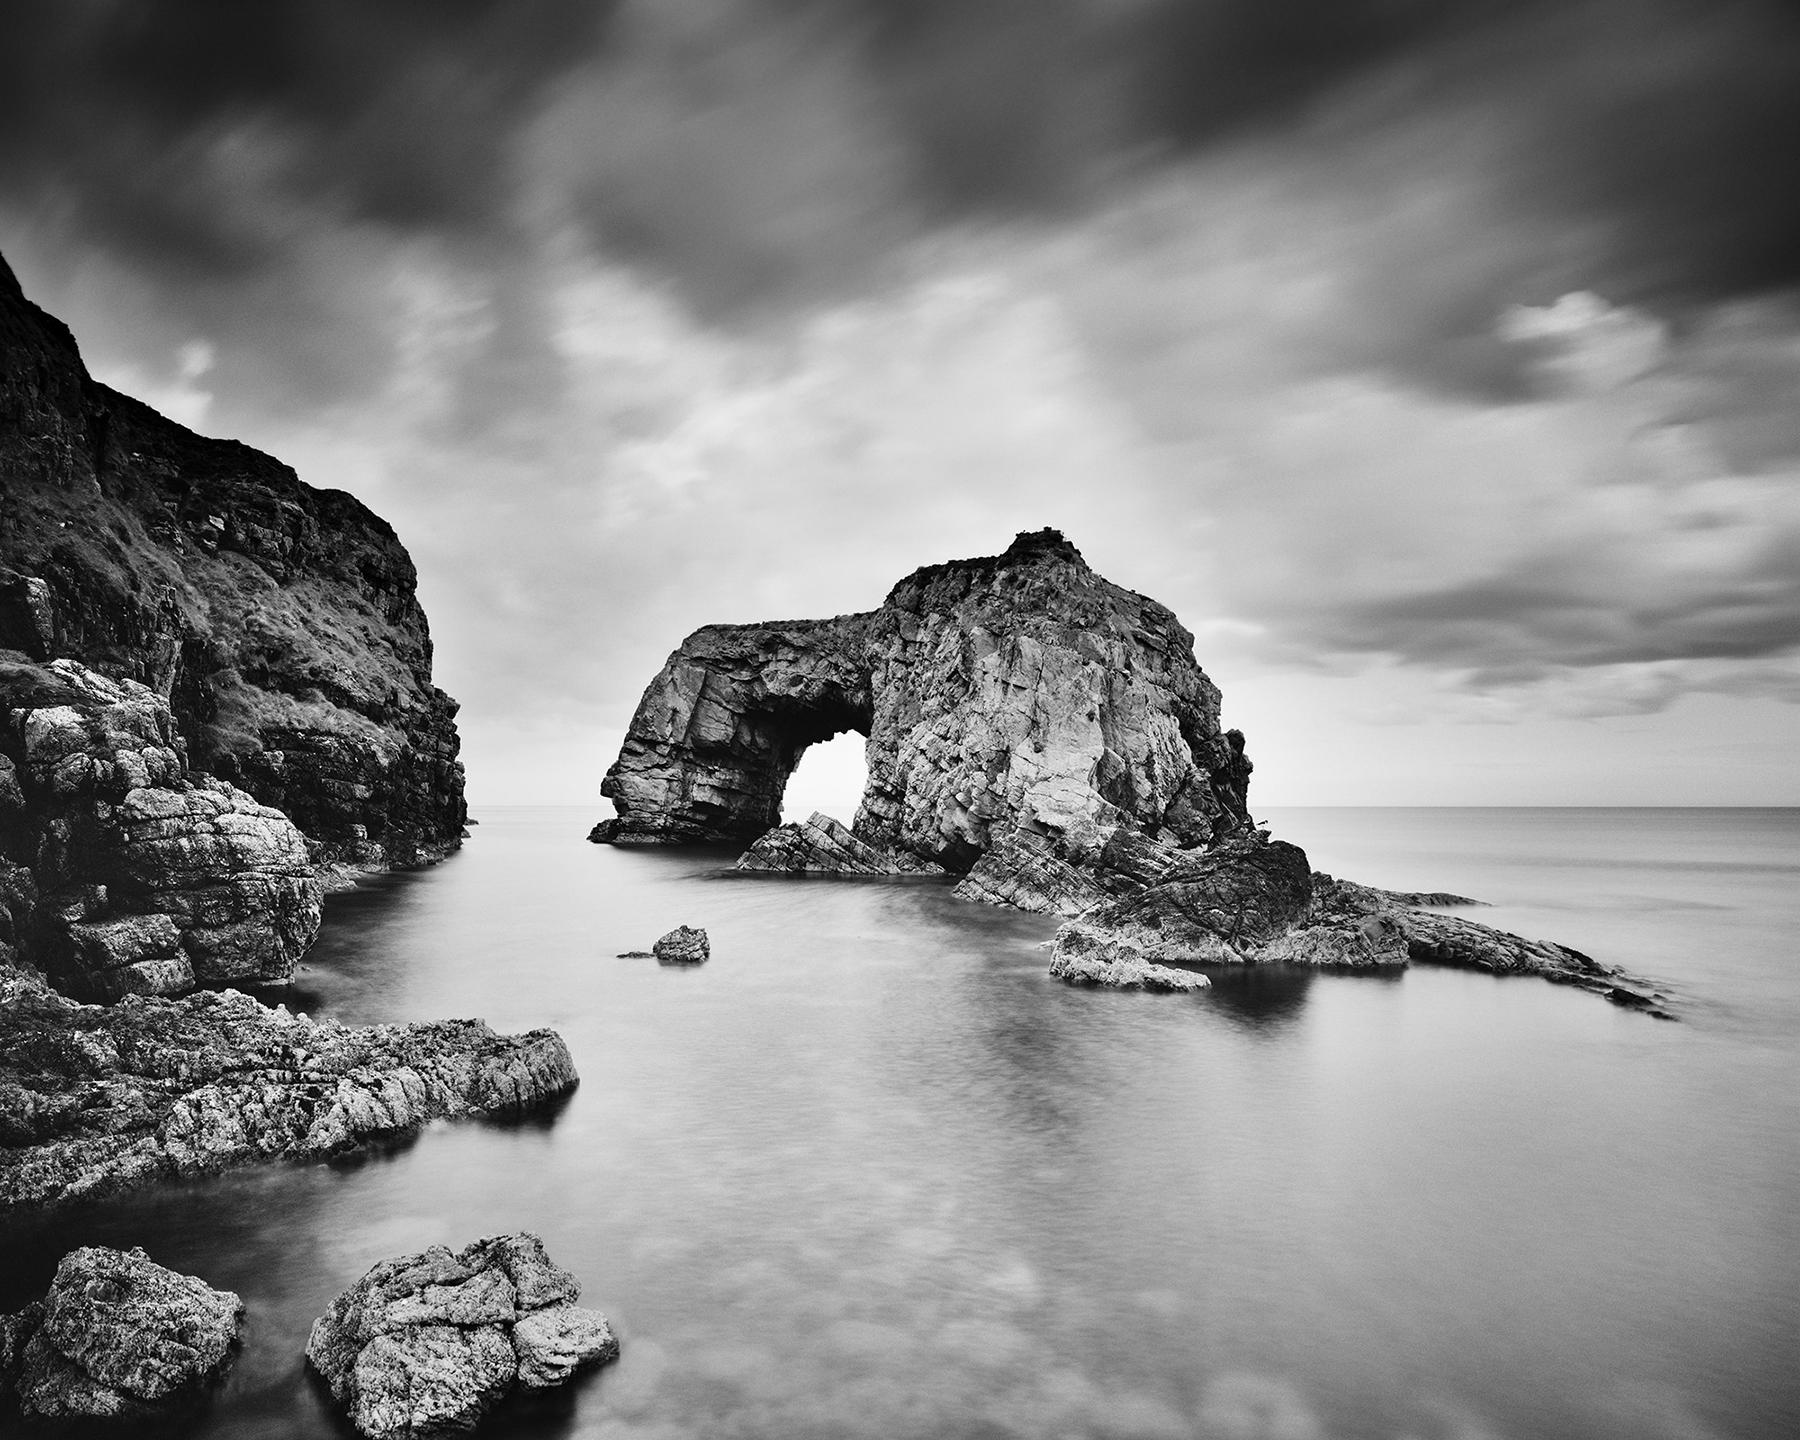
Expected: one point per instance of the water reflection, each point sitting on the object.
(1265, 1000)
(869, 1171)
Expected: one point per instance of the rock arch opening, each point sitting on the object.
(723, 726)
(829, 776)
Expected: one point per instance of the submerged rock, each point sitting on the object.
(429, 1342)
(130, 874)
(119, 1338)
(684, 945)
(824, 846)
(96, 1099)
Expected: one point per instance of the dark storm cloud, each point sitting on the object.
(1229, 200)
(1673, 127)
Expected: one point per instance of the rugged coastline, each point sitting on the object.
(215, 704)
(1048, 739)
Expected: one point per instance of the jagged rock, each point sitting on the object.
(1047, 737)
(429, 1342)
(1087, 956)
(119, 1338)
(96, 1099)
(1018, 693)
(279, 622)
(127, 874)
(1375, 942)
(1217, 906)
(1451, 940)
(684, 945)
(824, 846)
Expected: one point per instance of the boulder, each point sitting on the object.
(144, 877)
(119, 1338)
(431, 1341)
(684, 945)
(101, 1098)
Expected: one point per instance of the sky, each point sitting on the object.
(1436, 361)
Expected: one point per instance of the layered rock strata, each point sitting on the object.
(427, 1343)
(1013, 693)
(1254, 901)
(279, 622)
(123, 872)
(824, 846)
(100, 1098)
(118, 1339)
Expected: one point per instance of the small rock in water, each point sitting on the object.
(635, 954)
(117, 1338)
(684, 945)
(429, 1342)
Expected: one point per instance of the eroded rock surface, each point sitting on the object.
(429, 1342)
(684, 945)
(1046, 737)
(123, 872)
(1254, 902)
(824, 846)
(1018, 693)
(100, 1098)
(118, 1338)
(279, 622)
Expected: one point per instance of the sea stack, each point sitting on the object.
(1017, 706)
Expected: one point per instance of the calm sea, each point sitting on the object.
(871, 1173)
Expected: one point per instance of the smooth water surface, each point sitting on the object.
(869, 1172)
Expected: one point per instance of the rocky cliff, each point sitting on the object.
(1016, 694)
(279, 622)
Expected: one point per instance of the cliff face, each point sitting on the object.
(1012, 700)
(278, 621)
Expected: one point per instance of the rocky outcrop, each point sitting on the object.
(96, 1099)
(1253, 902)
(1436, 938)
(684, 945)
(429, 1342)
(118, 1339)
(1091, 957)
(124, 872)
(1048, 738)
(1017, 694)
(279, 622)
(824, 846)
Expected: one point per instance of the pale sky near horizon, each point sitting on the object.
(1436, 361)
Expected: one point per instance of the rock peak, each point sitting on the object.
(1046, 544)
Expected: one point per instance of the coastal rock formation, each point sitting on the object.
(279, 622)
(824, 846)
(684, 945)
(429, 1342)
(1254, 902)
(118, 1338)
(1007, 696)
(122, 872)
(1091, 957)
(99, 1098)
